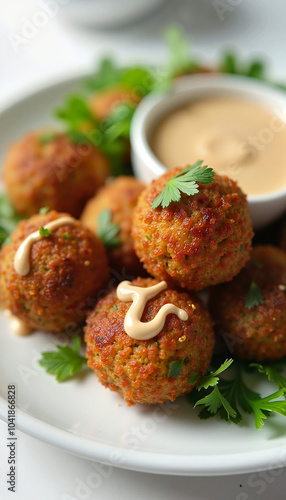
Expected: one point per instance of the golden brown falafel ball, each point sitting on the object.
(257, 333)
(202, 240)
(120, 197)
(56, 173)
(67, 269)
(138, 369)
(102, 103)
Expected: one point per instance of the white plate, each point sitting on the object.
(82, 417)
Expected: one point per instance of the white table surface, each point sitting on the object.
(58, 48)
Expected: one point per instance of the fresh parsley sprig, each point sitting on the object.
(107, 231)
(175, 368)
(273, 371)
(44, 232)
(9, 219)
(254, 296)
(65, 362)
(180, 60)
(228, 397)
(186, 182)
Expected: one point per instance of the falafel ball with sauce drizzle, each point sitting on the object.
(202, 240)
(139, 370)
(56, 279)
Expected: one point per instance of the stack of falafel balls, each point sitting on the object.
(201, 242)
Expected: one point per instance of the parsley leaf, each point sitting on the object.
(230, 63)
(175, 368)
(273, 371)
(179, 59)
(225, 397)
(254, 296)
(193, 378)
(75, 112)
(107, 231)
(106, 75)
(9, 219)
(46, 138)
(215, 401)
(212, 378)
(184, 182)
(65, 362)
(44, 232)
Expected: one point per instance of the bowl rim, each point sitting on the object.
(186, 87)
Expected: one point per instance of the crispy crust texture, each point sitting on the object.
(59, 174)
(137, 369)
(259, 333)
(120, 196)
(65, 274)
(202, 240)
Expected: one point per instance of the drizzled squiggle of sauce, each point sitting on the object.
(133, 325)
(22, 257)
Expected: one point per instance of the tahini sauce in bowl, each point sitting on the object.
(236, 125)
(237, 138)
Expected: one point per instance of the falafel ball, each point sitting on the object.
(250, 312)
(67, 269)
(51, 170)
(202, 240)
(120, 197)
(138, 369)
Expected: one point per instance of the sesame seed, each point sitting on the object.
(282, 288)
(193, 306)
(86, 263)
(181, 339)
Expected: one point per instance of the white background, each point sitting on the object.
(59, 47)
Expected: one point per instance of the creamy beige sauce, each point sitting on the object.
(22, 257)
(237, 138)
(133, 325)
(17, 326)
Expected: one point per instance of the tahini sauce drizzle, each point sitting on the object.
(22, 257)
(133, 325)
(237, 138)
(17, 326)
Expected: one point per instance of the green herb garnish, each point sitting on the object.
(175, 368)
(65, 362)
(9, 219)
(115, 307)
(179, 60)
(273, 371)
(75, 112)
(147, 237)
(231, 64)
(46, 138)
(254, 296)
(228, 397)
(44, 232)
(186, 182)
(107, 231)
(193, 378)
(106, 75)
(66, 236)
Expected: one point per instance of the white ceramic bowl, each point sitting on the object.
(264, 208)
